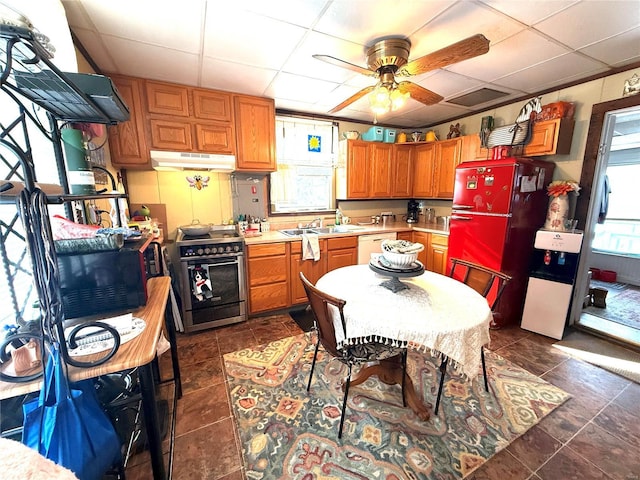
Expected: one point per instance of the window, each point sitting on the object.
(620, 232)
(306, 152)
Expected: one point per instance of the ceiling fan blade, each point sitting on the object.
(419, 93)
(454, 53)
(352, 98)
(341, 63)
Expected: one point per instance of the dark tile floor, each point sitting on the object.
(594, 435)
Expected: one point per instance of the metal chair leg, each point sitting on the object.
(443, 370)
(484, 369)
(404, 374)
(344, 402)
(313, 364)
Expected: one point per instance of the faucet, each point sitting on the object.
(316, 222)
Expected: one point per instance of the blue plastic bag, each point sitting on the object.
(67, 425)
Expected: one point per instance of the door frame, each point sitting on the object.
(591, 185)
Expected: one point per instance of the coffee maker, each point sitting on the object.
(412, 211)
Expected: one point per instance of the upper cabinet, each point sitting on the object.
(447, 157)
(166, 116)
(374, 170)
(550, 137)
(424, 157)
(255, 133)
(127, 140)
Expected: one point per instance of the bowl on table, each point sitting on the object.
(401, 253)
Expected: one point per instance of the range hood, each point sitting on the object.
(172, 161)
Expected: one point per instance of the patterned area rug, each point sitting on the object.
(287, 433)
(623, 304)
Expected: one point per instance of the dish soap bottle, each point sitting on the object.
(338, 216)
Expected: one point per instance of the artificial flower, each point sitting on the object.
(562, 187)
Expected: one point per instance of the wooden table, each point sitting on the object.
(138, 352)
(435, 313)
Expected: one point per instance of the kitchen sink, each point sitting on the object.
(294, 232)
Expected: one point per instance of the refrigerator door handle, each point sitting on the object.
(459, 217)
(462, 207)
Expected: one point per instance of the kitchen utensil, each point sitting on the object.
(196, 228)
(430, 215)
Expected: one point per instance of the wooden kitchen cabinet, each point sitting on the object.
(380, 169)
(352, 174)
(255, 133)
(424, 157)
(342, 252)
(167, 99)
(268, 276)
(310, 268)
(212, 105)
(437, 253)
(128, 140)
(550, 137)
(424, 238)
(447, 157)
(402, 171)
(408, 236)
(170, 135)
(472, 149)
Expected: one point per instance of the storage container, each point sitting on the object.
(374, 134)
(595, 273)
(389, 135)
(608, 276)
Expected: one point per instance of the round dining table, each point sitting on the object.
(435, 313)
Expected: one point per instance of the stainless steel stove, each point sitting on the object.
(213, 278)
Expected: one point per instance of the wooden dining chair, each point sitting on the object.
(483, 280)
(321, 303)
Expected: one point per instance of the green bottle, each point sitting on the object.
(79, 171)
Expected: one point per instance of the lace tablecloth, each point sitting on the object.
(435, 313)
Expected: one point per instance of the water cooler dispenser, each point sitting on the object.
(551, 282)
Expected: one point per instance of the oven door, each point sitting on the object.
(213, 292)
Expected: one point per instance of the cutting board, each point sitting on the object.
(158, 211)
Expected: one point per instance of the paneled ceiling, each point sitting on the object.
(265, 47)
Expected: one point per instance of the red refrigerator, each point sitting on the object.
(498, 205)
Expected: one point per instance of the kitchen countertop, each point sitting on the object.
(275, 236)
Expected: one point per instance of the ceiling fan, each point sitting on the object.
(388, 58)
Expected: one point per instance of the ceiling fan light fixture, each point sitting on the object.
(398, 99)
(379, 100)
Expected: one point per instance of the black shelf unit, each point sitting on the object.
(27, 76)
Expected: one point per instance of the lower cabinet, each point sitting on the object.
(437, 254)
(268, 276)
(312, 270)
(434, 255)
(273, 270)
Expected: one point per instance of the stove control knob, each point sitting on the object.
(200, 251)
(219, 250)
(228, 249)
(236, 248)
(207, 250)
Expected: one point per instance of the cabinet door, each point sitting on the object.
(437, 254)
(171, 135)
(255, 133)
(380, 170)
(357, 169)
(311, 269)
(342, 252)
(551, 137)
(447, 158)
(423, 169)
(268, 274)
(215, 138)
(472, 149)
(408, 236)
(127, 140)
(167, 99)
(402, 171)
(425, 239)
(211, 105)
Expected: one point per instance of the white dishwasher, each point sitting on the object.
(368, 244)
